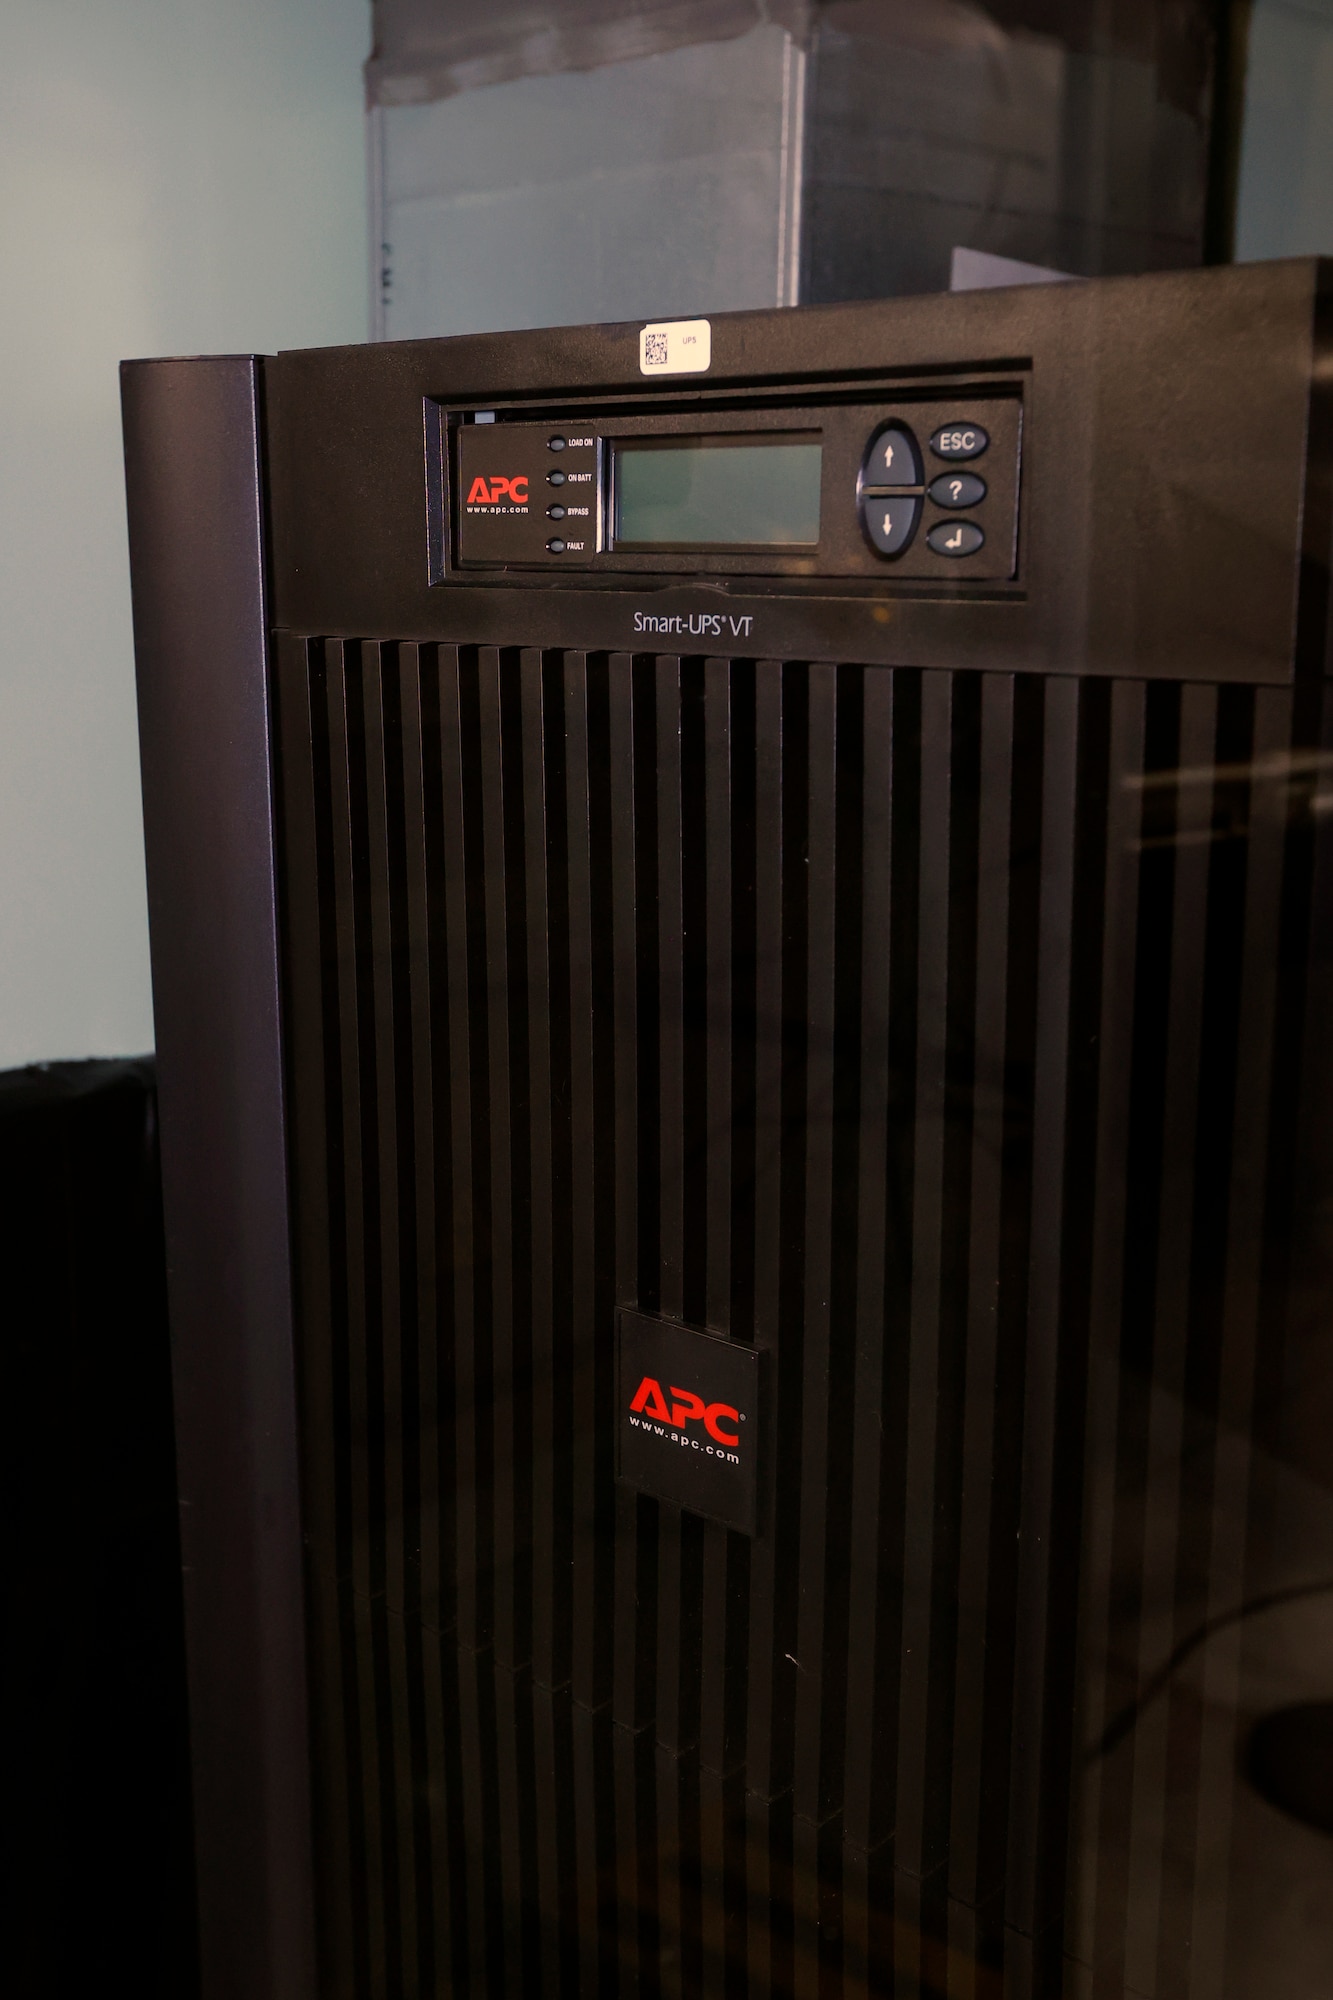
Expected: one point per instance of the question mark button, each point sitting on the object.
(957, 489)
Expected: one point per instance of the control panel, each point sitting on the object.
(924, 489)
(527, 493)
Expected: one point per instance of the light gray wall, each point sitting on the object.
(1285, 206)
(176, 176)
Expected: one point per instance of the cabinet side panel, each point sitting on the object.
(193, 471)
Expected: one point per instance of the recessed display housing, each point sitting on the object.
(785, 488)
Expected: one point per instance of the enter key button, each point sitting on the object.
(955, 538)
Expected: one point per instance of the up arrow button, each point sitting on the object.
(891, 460)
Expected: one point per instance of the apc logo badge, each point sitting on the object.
(688, 1418)
(498, 495)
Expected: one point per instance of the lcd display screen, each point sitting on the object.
(718, 493)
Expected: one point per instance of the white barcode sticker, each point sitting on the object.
(676, 347)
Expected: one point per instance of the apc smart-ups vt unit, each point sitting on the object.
(742, 921)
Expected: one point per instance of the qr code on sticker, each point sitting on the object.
(654, 350)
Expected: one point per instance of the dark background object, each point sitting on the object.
(1045, 130)
(94, 1760)
(1289, 1761)
(1230, 65)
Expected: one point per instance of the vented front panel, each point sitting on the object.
(950, 1036)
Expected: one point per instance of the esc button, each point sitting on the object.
(891, 522)
(959, 440)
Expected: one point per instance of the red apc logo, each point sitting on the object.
(498, 489)
(686, 1408)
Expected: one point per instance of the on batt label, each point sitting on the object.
(688, 1419)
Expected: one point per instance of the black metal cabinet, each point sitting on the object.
(926, 992)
